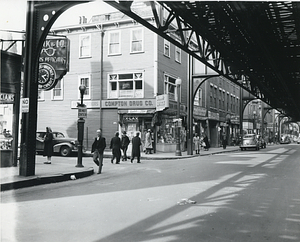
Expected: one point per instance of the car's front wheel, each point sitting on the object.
(65, 150)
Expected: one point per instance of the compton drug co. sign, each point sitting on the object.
(54, 62)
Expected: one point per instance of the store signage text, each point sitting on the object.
(54, 62)
(126, 104)
(162, 102)
(7, 98)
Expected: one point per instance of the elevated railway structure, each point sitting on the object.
(254, 44)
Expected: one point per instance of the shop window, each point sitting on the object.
(57, 91)
(127, 85)
(85, 45)
(114, 43)
(86, 81)
(166, 48)
(177, 54)
(136, 40)
(166, 132)
(170, 87)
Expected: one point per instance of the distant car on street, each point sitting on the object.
(249, 141)
(285, 139)
(61, 144)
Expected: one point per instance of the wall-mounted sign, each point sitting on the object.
(25, 105)
(54, 62)
(162, 102)
(7, 98)
(129, 103)
(213, 116)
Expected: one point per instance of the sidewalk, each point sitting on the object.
(58, 172)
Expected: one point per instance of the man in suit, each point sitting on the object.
(125, 142)
(115, 145)
(98, 148)
(136, 148)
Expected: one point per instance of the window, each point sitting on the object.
(41, 96)
(177, 54)
(126, 85)
(85, 45)
(114, 43)
(136, 40)
(198, 98)
(166, 48)
(57, 91)
(86, 81)
(170, 87)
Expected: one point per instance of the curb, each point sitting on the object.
(41, 180)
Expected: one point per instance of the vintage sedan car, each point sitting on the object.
(61, 144)
(284, 139)
(249, 141)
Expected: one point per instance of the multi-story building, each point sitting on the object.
(124, 67)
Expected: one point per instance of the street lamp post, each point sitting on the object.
(178, 149)
(80, 126)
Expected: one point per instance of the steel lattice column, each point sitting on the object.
(40, 17)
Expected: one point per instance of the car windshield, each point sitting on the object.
(248, 136)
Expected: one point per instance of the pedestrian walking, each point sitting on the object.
(136, 150)
(206, 142)
(124, 142)
(98, 147)
(48, 145)
(196, 141)
(224, 141)
(115, 145)
(148, 142)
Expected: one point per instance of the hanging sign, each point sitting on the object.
(54, 62)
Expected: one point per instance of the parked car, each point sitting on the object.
(61, 144)
(284, 139)
(249, 141)
(262, 142)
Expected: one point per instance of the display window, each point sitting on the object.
(166, 133)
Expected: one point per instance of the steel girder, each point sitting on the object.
(254, 44)
(40, 17)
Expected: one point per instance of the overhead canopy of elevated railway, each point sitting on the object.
(254, 44)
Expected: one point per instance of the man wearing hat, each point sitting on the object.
(124, 145)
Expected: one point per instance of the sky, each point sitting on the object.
(13, 13)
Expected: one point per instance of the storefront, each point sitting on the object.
(166, 130)
(9, 107)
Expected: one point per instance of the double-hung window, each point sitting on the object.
(114, 43)
(85, 80)
(57, 91)
(177, 54)
(198, 98)
(137, 40)
(170, 87)
(166, 48)
(126, 85)
(85, 45)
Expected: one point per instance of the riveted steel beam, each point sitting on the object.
(40, 17)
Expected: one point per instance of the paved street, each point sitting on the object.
(239, 196)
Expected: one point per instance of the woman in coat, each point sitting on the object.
(48, 146)
(148, 142)
(196, 141)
